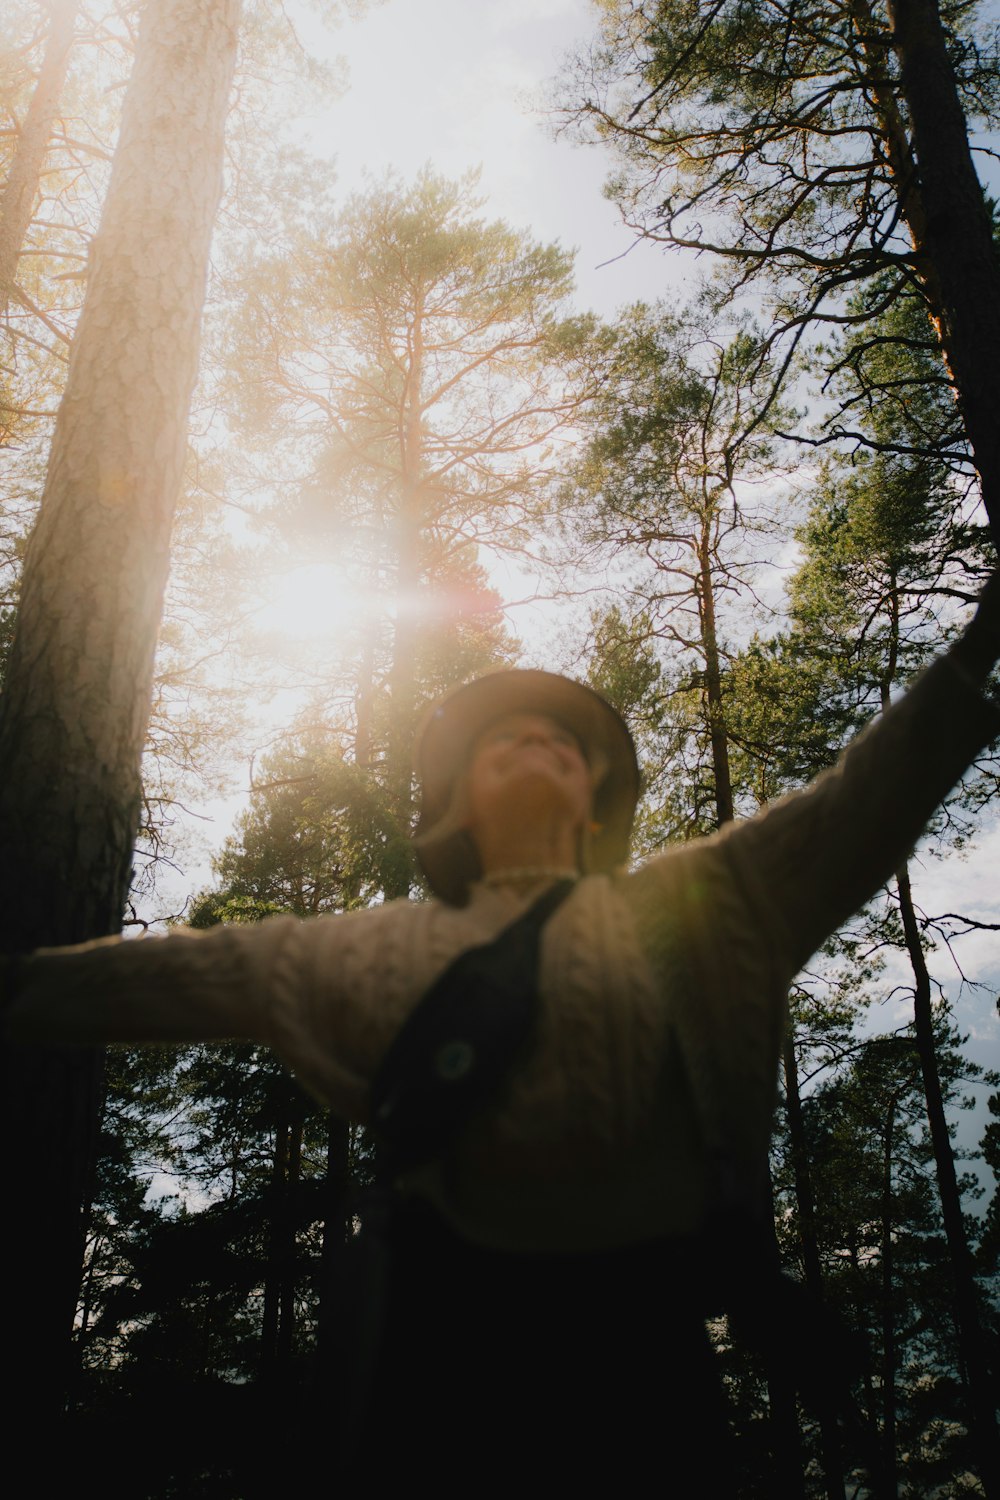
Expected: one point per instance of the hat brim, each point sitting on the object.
(444, 747)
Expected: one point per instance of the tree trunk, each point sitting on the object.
(787, 1478)
(888, 1319)
(21, 191)
(956, 246)
(76, 700)
(833, 1472)
(895, 140)
(288, 1261)
(783, 1417)
(408, 528)
(336, 1191)
(971, 1350)
(979, 1385)
(364, 705)
(277, 1336)
(276, 1211)
(713, 679)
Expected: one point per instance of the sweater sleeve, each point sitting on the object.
(814, 858)
(326, 993)
(727, 921)
(188, 986)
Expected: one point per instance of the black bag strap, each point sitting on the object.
(454, 1050)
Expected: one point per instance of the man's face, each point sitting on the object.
(528, 761)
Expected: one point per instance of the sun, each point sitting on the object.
(311, 603)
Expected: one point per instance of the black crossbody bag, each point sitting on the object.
(446, 1064)
(454, 1051)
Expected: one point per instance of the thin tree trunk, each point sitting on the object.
(287, 1260)
(888, 1319)
(713, 680)
(979, 1384)
(833, 1471)
(783, 1417)
(364, 703)
(76, 699)
(272, 1265)
(971, 1350)
(332, 1357)
(955, 246)
(787, 1476)
(408, 527)
(24, 177)
(856, 1273)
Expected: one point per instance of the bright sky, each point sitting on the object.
(462, 84)
(464, 87)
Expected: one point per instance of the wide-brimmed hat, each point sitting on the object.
(444, 747)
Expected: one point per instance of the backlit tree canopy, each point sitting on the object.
(411, 363)
(810, 148)
(402, 404)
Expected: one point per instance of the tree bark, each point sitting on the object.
(333, 1375)
(277, 1209)
(75, 705)
(277, 1337)
(833, 1471)
(888, 1318)
(783, 1418)
(955, 249)
(972, 1353)
(21, 191)
(787, 1477)
(724, 810)
(409, 521)
(289, 1262)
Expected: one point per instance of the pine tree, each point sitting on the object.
(76, 693)
(409, 363)
(884, 541)
(813, 148)
(664, 486)
(25, 169)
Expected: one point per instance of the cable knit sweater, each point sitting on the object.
(663, 993)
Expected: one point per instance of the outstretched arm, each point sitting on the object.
(814, 858)
(189, 986)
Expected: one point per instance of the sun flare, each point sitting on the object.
(312, 602)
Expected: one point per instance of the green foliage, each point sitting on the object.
(778, 139)
(197, 1300)
(989, 1245)
(889, 385)
(402, 366)
(408, 293)
(319, 836)
(879, 1233)
(765, 133)
(675, 422)
(886, 545)
(790, 705)
(676, 440)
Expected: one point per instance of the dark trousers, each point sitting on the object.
(498, 1370)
